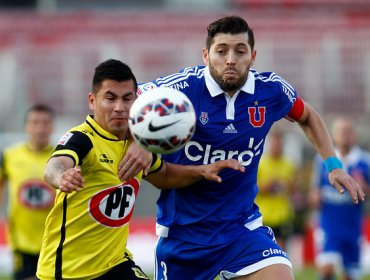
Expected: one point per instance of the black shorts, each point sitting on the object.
(283, 231)
(127, 270)
(25, 265)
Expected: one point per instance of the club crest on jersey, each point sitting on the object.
(203, 117)
(149, 86)
(257, 119)
(113, 206)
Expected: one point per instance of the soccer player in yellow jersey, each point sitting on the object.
(29, 197)
(86, 231)
(277, 178)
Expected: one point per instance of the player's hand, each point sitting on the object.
(341, 180)
(211, 170)
(135, 160)
(71, 180)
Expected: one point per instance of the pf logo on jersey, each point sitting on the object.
(113, 207)
(36, 194)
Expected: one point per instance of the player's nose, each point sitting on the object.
(120, 105)
(231, 58)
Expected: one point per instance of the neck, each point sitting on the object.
(38, 147)
(123, 135)
(343, 151)
(231, 93)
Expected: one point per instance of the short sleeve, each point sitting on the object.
(74, 144)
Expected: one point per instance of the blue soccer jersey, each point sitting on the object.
(339, 216)
(227, 127)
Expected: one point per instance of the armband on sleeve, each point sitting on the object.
(156, 165)
(332, 163)
(297, 110)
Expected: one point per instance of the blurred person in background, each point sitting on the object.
(208, 229)
(339, 229)
(87, 229)
(30, 198)
(277, 182)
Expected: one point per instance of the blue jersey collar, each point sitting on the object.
(215, 89)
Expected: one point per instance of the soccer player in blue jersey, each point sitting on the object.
(340, 222)
(207, 229)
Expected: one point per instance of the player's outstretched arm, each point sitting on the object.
(135, 160)
(317, 133)
(179, 176)
(61, 174)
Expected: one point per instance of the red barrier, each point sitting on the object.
(2, 232)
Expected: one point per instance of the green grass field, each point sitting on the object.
(306, 274)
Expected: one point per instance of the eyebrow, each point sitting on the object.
(112, 93)
(226, 45)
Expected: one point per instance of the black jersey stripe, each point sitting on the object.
(59, 252)
(155, 158)
(65, 155)
(101, 135)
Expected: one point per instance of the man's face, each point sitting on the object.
(344, 134)
(229, 59)
(111, 106)
(39, 126)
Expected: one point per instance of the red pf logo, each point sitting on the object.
(113, 207)
(253, 119)
(36, 194)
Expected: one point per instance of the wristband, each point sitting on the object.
(332, 163)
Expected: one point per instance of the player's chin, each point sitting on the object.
(116, 122)
(231, 77)
(118, 126)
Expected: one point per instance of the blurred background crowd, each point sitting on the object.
(49, 48)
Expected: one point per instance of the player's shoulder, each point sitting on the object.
(79, 134)
(182, 80)
(365, 155)
(15, 147)
(274, 83)
(268, 78)
(188, 73)
(83, 128)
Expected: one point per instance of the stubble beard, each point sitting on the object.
(228, 85)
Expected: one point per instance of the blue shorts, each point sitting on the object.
(249, 252)
(339, 250)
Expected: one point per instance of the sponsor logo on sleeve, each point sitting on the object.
(65, 138)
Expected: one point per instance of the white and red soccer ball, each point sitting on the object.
(162, 120)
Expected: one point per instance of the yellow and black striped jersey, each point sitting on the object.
(30, 198)
(86, 231)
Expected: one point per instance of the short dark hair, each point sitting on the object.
(40, 107)
(229, 25)
(112, 69)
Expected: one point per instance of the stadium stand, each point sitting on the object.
(321, 46)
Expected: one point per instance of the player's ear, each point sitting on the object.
(254, 54)
(91, 99)
(205, 56)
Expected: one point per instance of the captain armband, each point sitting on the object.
(332, 163)
(297, 110)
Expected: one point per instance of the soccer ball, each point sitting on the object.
(162, 120)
